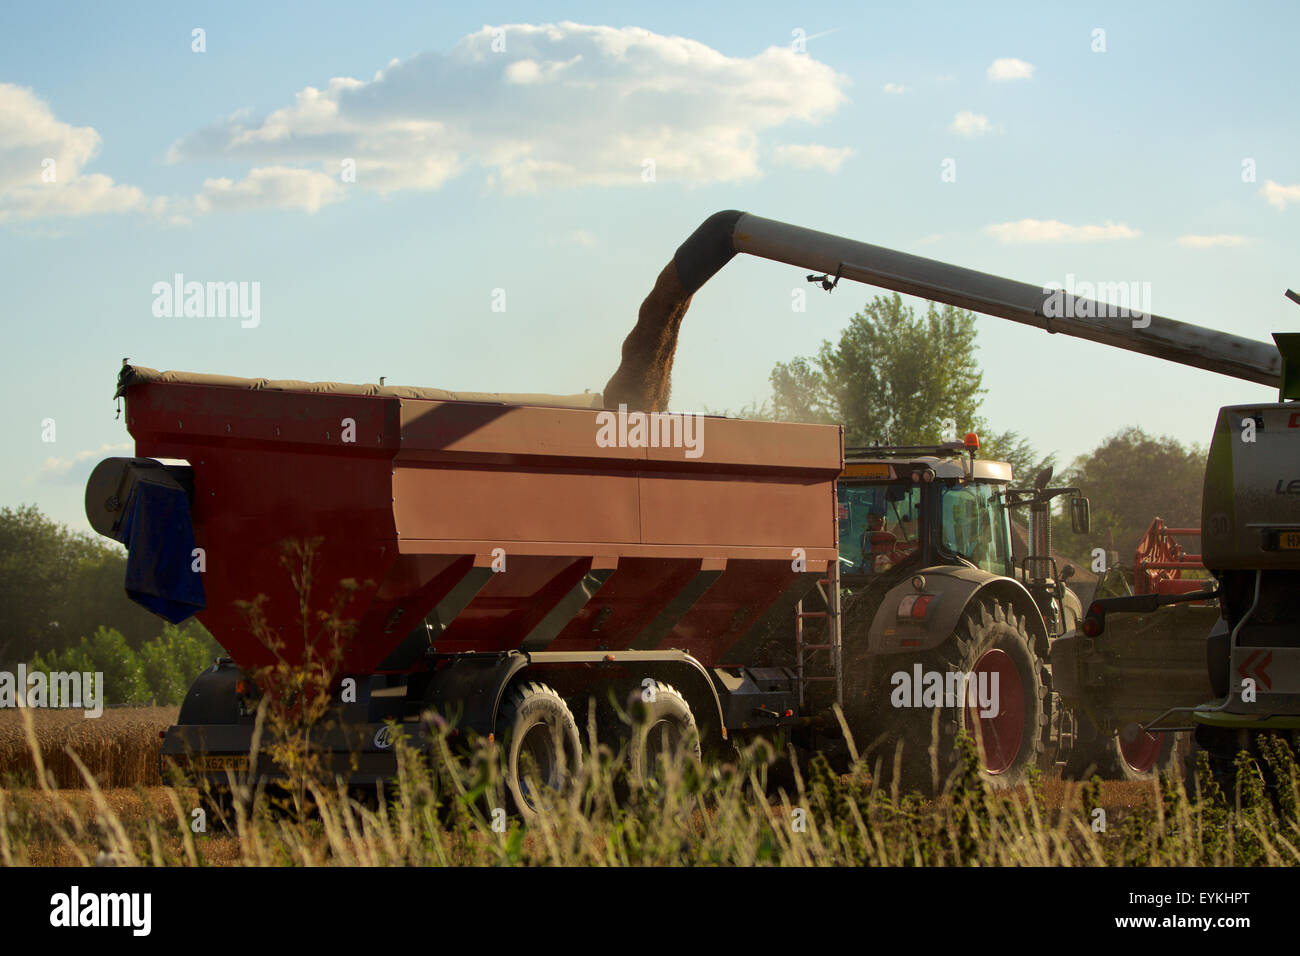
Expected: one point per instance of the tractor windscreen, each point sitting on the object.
(878, 525)
(974, 525)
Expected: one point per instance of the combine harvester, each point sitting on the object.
(512, 558)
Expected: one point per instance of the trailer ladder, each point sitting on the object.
(828, 589)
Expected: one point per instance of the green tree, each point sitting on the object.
(1132, 477)
(57, 586)
(105, 652)
(893, 377)
(160, 672)
(172, 660)
(1015, 449)
(36, 558)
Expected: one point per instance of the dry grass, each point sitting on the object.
(443, 809)
(46, 815)
(119, 748)
(440, 811)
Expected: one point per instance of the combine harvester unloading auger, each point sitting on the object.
(1251, 498)
(641, 380)
(507, 568)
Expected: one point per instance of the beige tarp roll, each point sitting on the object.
(139, 375)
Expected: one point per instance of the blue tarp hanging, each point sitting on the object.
(156, 530)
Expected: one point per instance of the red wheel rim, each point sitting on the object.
(1140, 749)
(1001, 733)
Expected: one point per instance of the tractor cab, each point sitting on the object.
(919, 506)
(906, 509)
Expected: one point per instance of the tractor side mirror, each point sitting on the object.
(1079, 520)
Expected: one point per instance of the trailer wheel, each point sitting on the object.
(991, 639)
(660, 728)
(543, 749)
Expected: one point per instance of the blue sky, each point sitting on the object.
(522, 170)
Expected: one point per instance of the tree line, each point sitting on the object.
(64, 607)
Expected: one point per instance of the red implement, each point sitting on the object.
(1160, 560)
(422, 501)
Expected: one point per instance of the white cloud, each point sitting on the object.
(1279, 195)
(60, 467)
(1009, 68)
(895, 88)
(967, 123)
(829, 158)
(278, 187)
(565, 105)
(1211, 242)
(36, 146)
(1050, 230)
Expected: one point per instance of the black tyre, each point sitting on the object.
(991, 639)
(661, 727)
(1130, 754)
(543, 750)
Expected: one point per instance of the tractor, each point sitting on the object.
(940, 631)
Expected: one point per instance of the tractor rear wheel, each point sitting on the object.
(543, 749)
(992, 645)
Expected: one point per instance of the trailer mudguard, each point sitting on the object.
(211, 699)
(469, 690)
(473, 687)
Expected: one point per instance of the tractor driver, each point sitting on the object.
(875, 539)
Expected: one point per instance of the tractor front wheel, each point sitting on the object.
(1129, 754)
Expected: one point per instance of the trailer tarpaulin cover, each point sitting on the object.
(130, 375)
(159, 538)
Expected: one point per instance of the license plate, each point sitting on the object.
(222, 763)
(1289, 541)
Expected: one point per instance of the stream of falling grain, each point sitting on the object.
(644, 377)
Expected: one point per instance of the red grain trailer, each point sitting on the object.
(506, 557)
